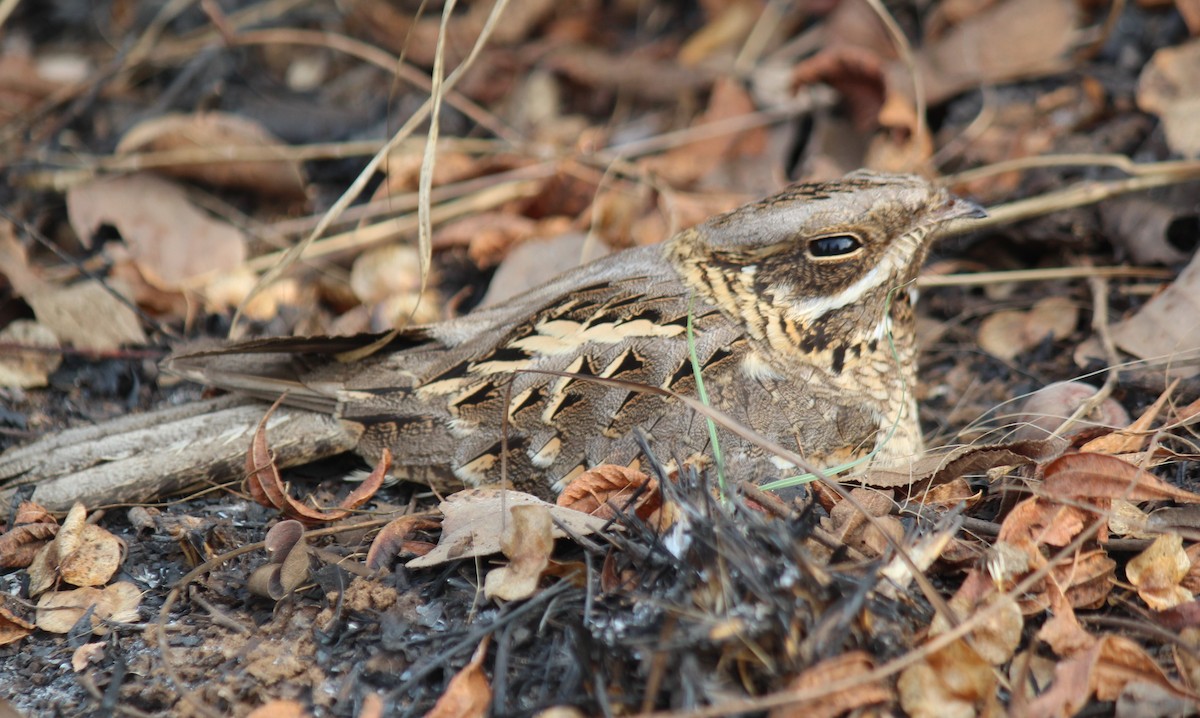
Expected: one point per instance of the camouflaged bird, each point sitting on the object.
(803, 327)
(802, 324)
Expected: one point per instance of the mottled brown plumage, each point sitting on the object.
(802, 312)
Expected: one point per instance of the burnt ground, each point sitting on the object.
(734, 603)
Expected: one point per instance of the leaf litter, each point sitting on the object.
(1015, 568)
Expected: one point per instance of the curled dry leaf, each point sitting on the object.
(528, 541)
(288, 567)
(394, 538)
(12, 627)
(81, 554)
(33, 527)
(608, 490)
(468, 695)
(59, 611)
(209, 146)
(265, 485)
(1156, 573)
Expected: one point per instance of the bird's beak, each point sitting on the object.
(958, 208)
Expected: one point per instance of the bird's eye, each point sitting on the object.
(838, 245)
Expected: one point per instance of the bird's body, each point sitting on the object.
(802, 329)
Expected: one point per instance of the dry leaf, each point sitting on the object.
(833, 670)
(265, 485)
(289, 564)
(12, 627)
(475, 518)
(1046, 409)
(32, 529)
(528, 541)
(1135, 435)
(1157, 572)
(1097, 476)
(940, 466)
(81, 554)
(949, 683)
(59, 611)
(606, 490)
(1102, 671)
(279, 709)
(30, 368)
(85, 655)
(997, 637)
(1168, 87)
(685, 165)
(213, 143)
(1165, 325)
(171, 241)
(393, 539)
(468, 695)
(1007, 334)
(1010, 40)
(86, 315)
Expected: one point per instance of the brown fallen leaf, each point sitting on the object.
(289, 565)
(210, 145)
(1098, 476)
(952, 681)
(265, 485)
(527, 541)
(279, 709)
(1008, 334)
(1012, 39)
(468, 695)
(32, 529)
(394, 538)
(86, 315)
(12, 627)
(475, 519)
(607, 490)
(1156, 573)
(59, 611)
(1168, 87)
(1043, 411)
(1164, 327)
(82, 554)
(832, 670)
(1133, 437)
(1103, 671)
(37, 357)
(85, 655)
(172, 242)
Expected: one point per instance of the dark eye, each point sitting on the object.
(835, 246)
